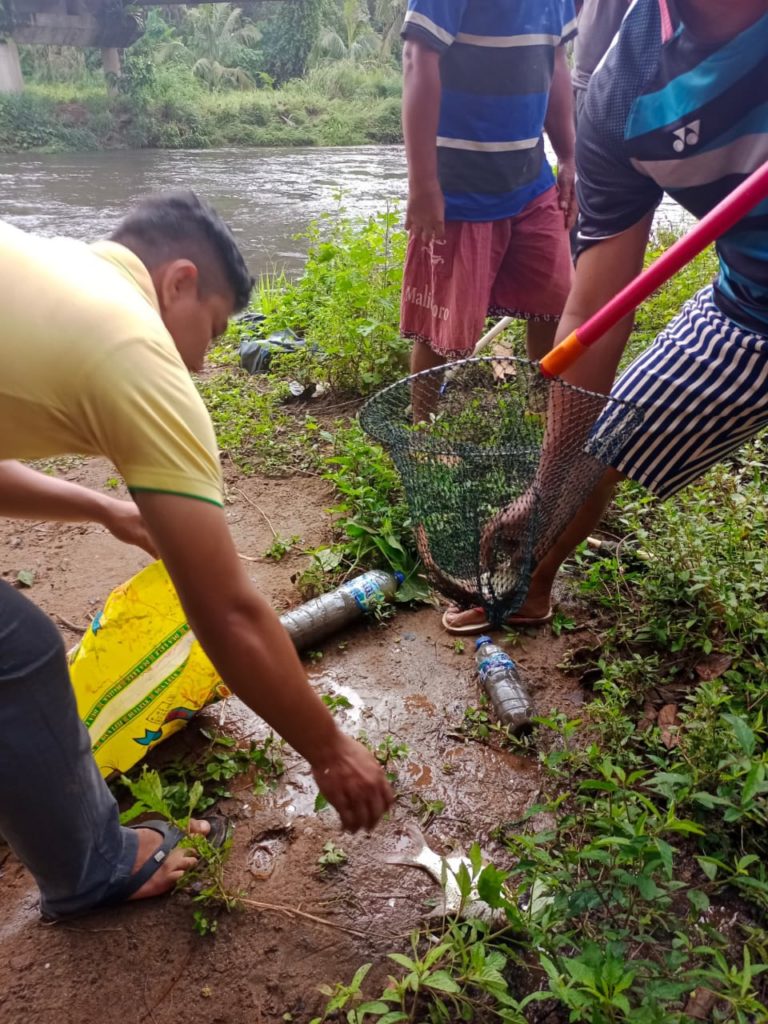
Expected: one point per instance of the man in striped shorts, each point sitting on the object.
(488, 224)
(679, 106)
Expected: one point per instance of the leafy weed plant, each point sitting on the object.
(332, 857)
(639, 877)
(346, 304)
(198, 781)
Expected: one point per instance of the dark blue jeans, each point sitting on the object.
(56, 811)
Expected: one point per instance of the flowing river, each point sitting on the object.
(266, 195)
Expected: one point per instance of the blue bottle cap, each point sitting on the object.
(482, 640)
(400, 577)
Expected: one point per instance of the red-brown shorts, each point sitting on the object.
(519, 267)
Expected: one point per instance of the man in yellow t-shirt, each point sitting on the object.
(96, 344)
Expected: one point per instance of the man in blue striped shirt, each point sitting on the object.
(482, 79)
(679, 105)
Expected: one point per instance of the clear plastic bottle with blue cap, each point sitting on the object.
(319, 618)
(503, 686)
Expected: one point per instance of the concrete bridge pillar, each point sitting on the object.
(110, 59)
(11, 78)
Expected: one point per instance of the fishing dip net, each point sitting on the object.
(495, 461)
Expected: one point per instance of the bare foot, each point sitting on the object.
(173, 867)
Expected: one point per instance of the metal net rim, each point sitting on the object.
(390, 433)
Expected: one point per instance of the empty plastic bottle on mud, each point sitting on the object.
(331, 612)
(501, 681)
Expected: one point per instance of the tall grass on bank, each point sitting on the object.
(340, 104)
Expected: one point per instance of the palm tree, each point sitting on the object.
(216, 37)
(353, 39)
(388, 17)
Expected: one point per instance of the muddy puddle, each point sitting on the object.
(406, 689)
(401, 684)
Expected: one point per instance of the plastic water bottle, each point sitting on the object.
(331, 612)
(501, 681)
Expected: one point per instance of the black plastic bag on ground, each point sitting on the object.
(256, 351)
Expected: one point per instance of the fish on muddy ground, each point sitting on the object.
(444, 871)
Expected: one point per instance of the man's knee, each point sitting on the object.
(612, 477)
(28, 638)
(424, 357)
(606, 485)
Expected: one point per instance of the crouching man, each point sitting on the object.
(96, 345)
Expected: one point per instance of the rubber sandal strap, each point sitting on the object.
(512, 621)
(171, 838)
(221, 829)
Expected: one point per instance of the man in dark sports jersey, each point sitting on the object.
(679, 106)
(599, 21)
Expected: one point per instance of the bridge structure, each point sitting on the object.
(109, 25)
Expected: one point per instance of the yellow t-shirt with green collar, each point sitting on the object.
(87, 367)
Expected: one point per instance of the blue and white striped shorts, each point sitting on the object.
(703, 389)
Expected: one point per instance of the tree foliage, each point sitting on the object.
(289, 37)
(351, 37)
(219, 42)
(236, 46)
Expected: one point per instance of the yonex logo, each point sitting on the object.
(686, 136)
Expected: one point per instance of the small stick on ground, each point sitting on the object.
(72, 626)
(259, 509)
(295, 912)
(85, 931)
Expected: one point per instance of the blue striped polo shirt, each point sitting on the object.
(667, 113)
(496, 64)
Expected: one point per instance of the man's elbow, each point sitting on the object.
(418, 58)
(231, 623)
(561, 73)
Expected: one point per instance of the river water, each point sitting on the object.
(266, 195)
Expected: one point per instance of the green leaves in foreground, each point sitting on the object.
(198, 781)
(604, 915)
(641, 881)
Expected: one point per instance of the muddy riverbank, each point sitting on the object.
(404, 679)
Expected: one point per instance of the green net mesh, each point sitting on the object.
(495, 460)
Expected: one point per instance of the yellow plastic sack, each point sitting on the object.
(139, 674)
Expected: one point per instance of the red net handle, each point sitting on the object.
(719, 220)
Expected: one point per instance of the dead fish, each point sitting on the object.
(444, 871)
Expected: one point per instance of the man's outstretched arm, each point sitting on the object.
(560, 127)
(28, 494)
(254, 655)
(422, 90)
(601, 272)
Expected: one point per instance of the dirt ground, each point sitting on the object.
(144, 962)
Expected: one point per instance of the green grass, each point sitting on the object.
(254, 427)
(342, 105)
(646, 853)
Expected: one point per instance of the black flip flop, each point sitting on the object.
(172, 836)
